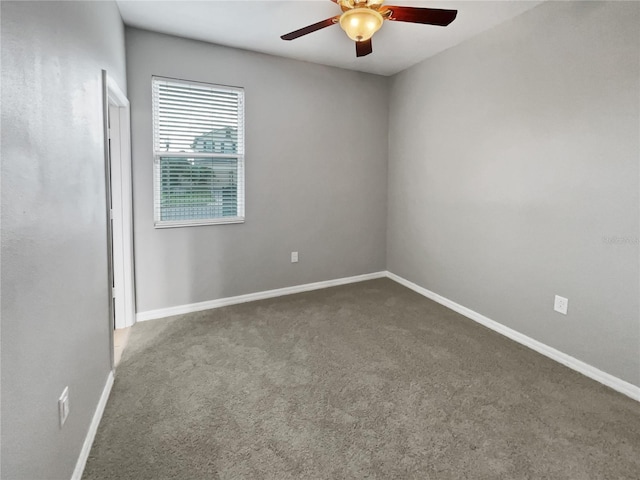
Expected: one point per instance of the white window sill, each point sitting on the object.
(199, 223)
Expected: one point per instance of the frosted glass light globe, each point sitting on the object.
(361, 23)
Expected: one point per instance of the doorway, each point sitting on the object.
(119, 215)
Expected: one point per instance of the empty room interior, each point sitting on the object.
(320, 239)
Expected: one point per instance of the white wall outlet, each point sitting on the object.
(561, 304)
(294, 257)
(63, 406)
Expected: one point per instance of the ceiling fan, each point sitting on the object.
(360, 19)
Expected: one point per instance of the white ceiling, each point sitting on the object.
(258, 25)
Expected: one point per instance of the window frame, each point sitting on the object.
(239, 156)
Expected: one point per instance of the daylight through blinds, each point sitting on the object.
(198, 152)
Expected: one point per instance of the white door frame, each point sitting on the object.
(122, 205)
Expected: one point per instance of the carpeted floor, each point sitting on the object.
(368, 380)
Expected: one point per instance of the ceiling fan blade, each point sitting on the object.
(364, 48)
(311, 28)
(429, 16)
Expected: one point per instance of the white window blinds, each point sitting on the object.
(198, 143)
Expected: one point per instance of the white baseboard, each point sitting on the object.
(594, 373)
(223, 302)
(93, 428)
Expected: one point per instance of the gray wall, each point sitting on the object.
(512, 157)
(55, 325)
(316, 169)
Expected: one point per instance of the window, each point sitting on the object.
(198, 150)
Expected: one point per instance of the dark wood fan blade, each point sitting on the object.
(429, 16)
(364, 48)
(311, 28)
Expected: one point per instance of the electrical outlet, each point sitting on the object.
(63, 406)
(561, 304)
(294, 257)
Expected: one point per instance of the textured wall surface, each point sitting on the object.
(513, 176)
(316, 169)
(55, 323)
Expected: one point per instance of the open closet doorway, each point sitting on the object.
(119, 215)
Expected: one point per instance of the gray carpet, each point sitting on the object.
(368, 380)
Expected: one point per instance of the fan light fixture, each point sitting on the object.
(360, 19)
(361, 23)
